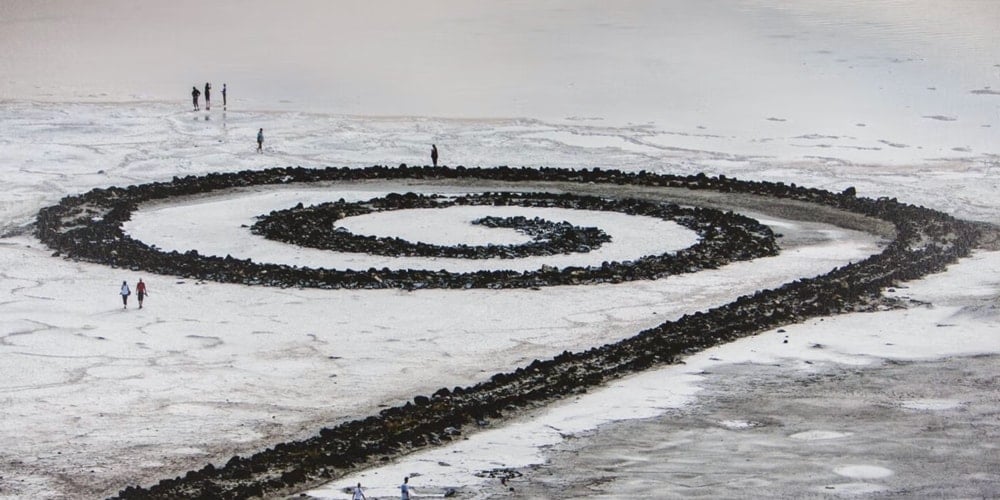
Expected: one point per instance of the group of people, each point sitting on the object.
(195, 94)
(140, 293)
(404, 491)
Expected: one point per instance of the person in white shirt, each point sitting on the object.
(358, 494)
(404, 489)
(125, 293)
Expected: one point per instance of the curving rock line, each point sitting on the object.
(89, 227)
(925, 242)
(315, 227)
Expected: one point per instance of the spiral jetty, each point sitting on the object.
(925, 242)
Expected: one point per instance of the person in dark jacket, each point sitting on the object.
(260, 141)
(434, 155)
(223, 96)
(194, 96)
(208, 97)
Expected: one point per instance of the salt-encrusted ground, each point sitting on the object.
(900, 403)
(208, 370)
(120, 388)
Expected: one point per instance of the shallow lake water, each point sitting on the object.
(745, 69)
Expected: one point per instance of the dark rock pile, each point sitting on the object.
(925, 242)
(315, 227)
(89, 227)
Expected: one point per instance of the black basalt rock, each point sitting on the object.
(725, 237)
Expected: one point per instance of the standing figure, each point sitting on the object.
(140, 291)
(260, 141)
(223, 96)
(194, 96)
(125, 292)
(358, 494)
(208, 97)
(434, 155)
(404, 489)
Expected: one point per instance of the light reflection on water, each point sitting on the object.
(752, 69)
(955, 33)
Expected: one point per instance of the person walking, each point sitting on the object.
(358, 494)
(140, 292)
(208, 96)
(260, 141)
(125, 292)
(223, 96)
(434, 154)
(194, 96)
(404, 489)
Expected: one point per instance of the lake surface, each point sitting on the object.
(724, 63)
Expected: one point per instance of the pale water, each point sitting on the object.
(911, 73)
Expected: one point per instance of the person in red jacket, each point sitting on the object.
(140, 291)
